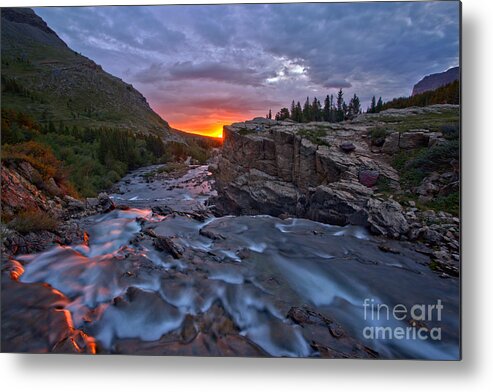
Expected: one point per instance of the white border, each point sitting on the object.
(474, 373)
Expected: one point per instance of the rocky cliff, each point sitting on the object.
(40, 212)
(333, 173)
(434, 81)
(41, 75)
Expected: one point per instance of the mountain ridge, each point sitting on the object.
(436, 80)
(43, 76)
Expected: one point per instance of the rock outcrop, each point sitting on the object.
(46, 207)
(287, 169)
(334, 173)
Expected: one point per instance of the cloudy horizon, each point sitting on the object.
(203, 66)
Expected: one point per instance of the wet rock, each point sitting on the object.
(77, 343)
(387, 249)
(327, 337)
(34, 319)
(188, 330)
(162, 210)
(168, 245)
(105, 202)
(212, 234)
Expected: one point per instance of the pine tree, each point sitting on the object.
(340, 106)
(379, 106)
(299, 112)
(326, 109)
(283, 114)
(373, 105)
(316, 110)
(307, 115)
(354, 107)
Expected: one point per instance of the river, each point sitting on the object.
(163, 276)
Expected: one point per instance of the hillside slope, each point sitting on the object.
(42, 76)
(434, 81)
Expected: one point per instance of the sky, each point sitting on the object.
(204, 66)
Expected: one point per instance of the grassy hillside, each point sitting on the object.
(42, 76)
(95, 126)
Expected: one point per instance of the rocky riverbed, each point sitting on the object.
(161, 275)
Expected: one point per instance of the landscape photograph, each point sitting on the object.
(232, 180)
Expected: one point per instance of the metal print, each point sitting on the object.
(261, 180)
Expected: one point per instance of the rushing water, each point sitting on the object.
(236, 280)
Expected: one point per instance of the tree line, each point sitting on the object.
(335, 109)
(92, 158)
(448, 94)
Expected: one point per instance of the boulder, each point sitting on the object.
(105, 202)
(368, 177)
(391, 145)
(92, 202)
(73, 204)
(168, 244)
(386, 218)
(347, 147)
(340, 203)
(413, 139)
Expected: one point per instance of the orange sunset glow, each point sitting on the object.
(205, 130)
(210, 125)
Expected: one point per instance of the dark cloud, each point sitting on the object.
(219, 72)
(264, 53)
(337, 84)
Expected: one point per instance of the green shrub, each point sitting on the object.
(39, 155)
(245, 131)
(450, 131)
(315, 135)
(437, 157)
(377, 134)
(32, 220)
(449, 203)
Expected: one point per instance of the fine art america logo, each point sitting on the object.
(387, 322)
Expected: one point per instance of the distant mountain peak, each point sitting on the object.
(27, 16)
(437, 80)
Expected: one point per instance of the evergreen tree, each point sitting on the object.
(340, 106)
(373, 106)
(316, 110)
(379, 106)
(299, 112)
(307, 111)
(283, 114)
(345, 111)
(354, 107)
(326, 109)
